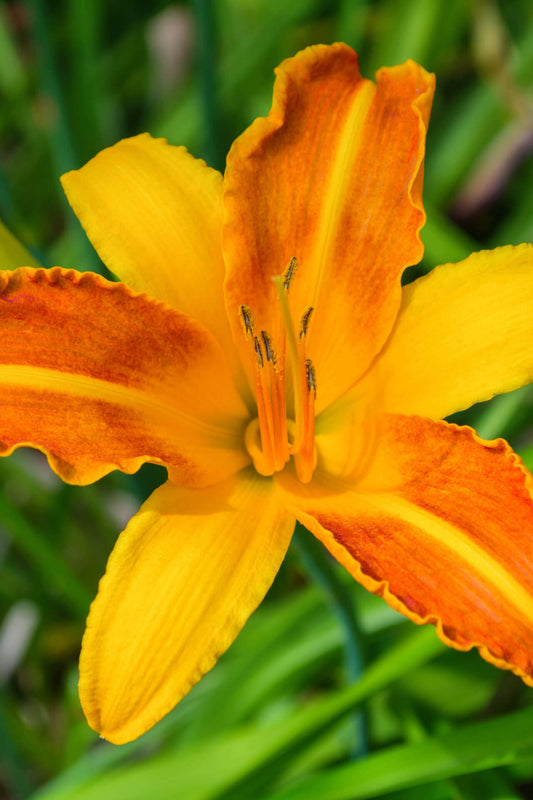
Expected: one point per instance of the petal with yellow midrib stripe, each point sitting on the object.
(332, 177)
(100, 378)
(441, 526)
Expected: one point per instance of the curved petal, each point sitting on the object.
(181, 582)
(100, 379)
(464, 334)
(154, 214)
(442, 528)
(332, 177)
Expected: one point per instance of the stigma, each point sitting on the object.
(282, 368)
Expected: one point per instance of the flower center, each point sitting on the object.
(271, 438)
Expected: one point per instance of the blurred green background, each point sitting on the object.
(327, 693)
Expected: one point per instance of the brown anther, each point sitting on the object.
(258, 351)
(311, 375)
(288, 275)
(247, 320)
(267, 343)
(304, 324)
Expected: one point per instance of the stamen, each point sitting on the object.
(266, 437)
(267, 342)
(305, 461)
(280, 285)
(288, 275)
(247, 320)
(258, 351)
(304, 324)
(264, 408)
(277, 394)
(280, 419)
(311, 375)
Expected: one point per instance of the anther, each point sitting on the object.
(267, 438)
(288, 275)
(267, 343)
(258, 351)
(247, 320)
(304, 324)
(311, 375)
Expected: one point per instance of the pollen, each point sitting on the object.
(271, 438)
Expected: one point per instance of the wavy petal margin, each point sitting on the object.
(181, 582)
(100, 378)
(154, 214)
(332, 177)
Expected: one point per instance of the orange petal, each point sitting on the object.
(99, 378)
(442, 528)
(154, 214)
(333, 177)
(464, 333)
(181, 582)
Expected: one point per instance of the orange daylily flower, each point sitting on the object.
(261, 347)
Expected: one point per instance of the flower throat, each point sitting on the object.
(270, 438)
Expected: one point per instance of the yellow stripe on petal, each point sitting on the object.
(441, 526)
(181, 582)
(100, 378)
(464, 334)
(442, 536)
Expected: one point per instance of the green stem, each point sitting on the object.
(315, 560)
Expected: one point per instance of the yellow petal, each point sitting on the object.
(441, 527)
(154, 214)
(332, 177)
(181, 582)
(464, 334)
(100, 378)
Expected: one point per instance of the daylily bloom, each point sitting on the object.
(260, 346)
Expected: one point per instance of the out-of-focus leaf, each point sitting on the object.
(241, 761)
(457, 138)
(443, 241)
(12, 253)
(44, 559)
(453, 688)
(470, 749)
(410, 29)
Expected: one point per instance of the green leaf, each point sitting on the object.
(44, 559)
(242, 760)
(12, 253)
(444, 242)
(473, 748)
